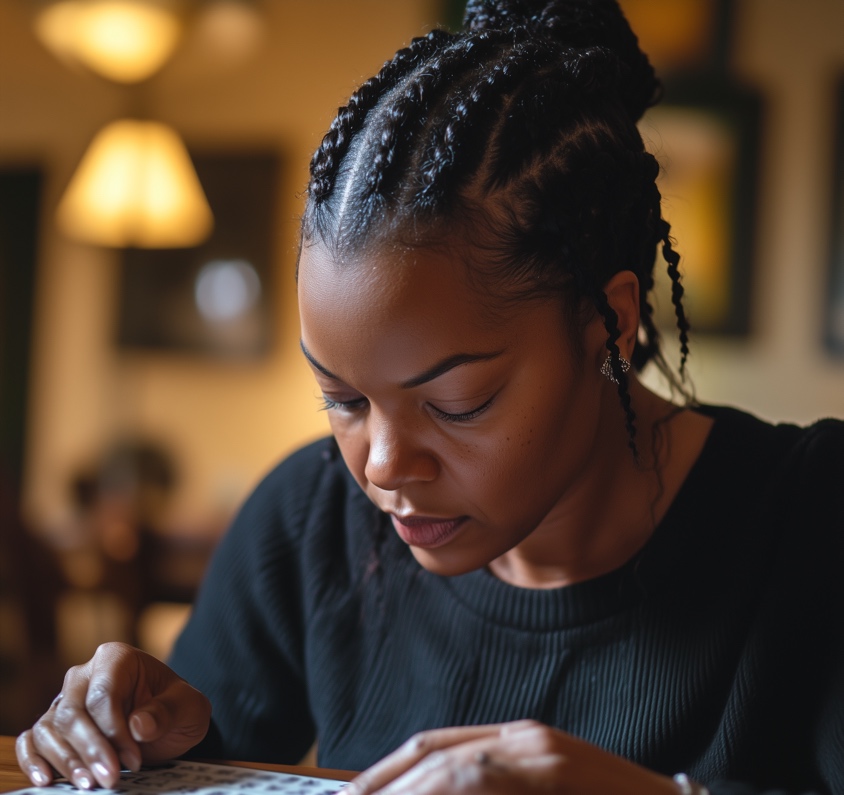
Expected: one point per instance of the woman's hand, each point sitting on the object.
(519, 758)
(122, 707)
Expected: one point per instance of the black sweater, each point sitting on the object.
(717, 651)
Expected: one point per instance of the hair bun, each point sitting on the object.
(577, 24)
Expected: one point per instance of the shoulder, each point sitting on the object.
(741, 438)
(305, 525)
(298, 477)
(821, 447)
(815, 471)
(787, 473)
(311, 482)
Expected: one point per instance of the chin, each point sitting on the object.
(446, 563)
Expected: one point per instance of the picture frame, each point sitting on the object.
(213, 299)
(834, 314)
(706, 135)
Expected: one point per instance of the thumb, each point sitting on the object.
(143, 725)
(171, 723)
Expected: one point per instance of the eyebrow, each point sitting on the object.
(440, 368)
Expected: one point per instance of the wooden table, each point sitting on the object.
(11, 777)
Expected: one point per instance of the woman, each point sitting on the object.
(513, 562)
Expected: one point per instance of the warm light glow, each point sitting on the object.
(674, 33)
(125, 40)
(699, 152)
(136, 186)
(228, 30)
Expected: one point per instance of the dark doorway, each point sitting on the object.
(28, 578)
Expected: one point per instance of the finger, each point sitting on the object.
(519, 726)
(447, 772)
(108, 699)
(85, 747)
(525, 739)
(488, 763)
(462, 771)
(54, 746)
(148, 712)
(413, 751)
(560, 761)
(34, 766)
(135, 701)
(67, 736)
(171, 723)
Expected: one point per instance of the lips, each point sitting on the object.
(427, 532)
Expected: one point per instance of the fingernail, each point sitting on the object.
(131, 761)
(141, 725)
(102, 773)
(82, 779)
(38, 777)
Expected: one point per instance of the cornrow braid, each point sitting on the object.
(518, 138)
(409, 111)
(351, 117)
(673, 260)
(442, 170)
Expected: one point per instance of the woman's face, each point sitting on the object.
(468, 426)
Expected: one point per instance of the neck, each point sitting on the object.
(613, 508)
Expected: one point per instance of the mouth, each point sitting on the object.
(427, 532)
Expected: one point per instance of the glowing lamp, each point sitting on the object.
(124, 40)
(136, 186)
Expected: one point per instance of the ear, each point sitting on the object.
(622, 292)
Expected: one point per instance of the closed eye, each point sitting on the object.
(344, 405)
(464, 416)
(356, 404)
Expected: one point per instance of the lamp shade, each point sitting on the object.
(124, 40)
(136, 186)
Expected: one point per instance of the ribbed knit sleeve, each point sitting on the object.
(792, 734)
(244, 643)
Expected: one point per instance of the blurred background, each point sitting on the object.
(150, 185)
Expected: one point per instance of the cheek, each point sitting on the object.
(548, 437)
(353, 447)
(491, 468)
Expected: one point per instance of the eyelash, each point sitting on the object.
(464, 416)
(354, 405)
(349, 405)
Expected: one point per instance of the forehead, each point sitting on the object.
(402, 306)
(374, 285)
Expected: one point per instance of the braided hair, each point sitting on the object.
(519, 136)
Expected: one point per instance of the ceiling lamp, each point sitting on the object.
(136, 186)
(124, 40)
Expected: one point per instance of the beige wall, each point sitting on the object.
(229, 423)
(793, 52)
(226, 423)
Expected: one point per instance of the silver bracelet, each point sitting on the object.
(689, 787)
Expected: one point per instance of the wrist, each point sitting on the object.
(685, 786)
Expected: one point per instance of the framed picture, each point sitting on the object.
(834, 322)
(213, 299)
(706, 136)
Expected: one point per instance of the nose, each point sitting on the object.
(396, 457)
